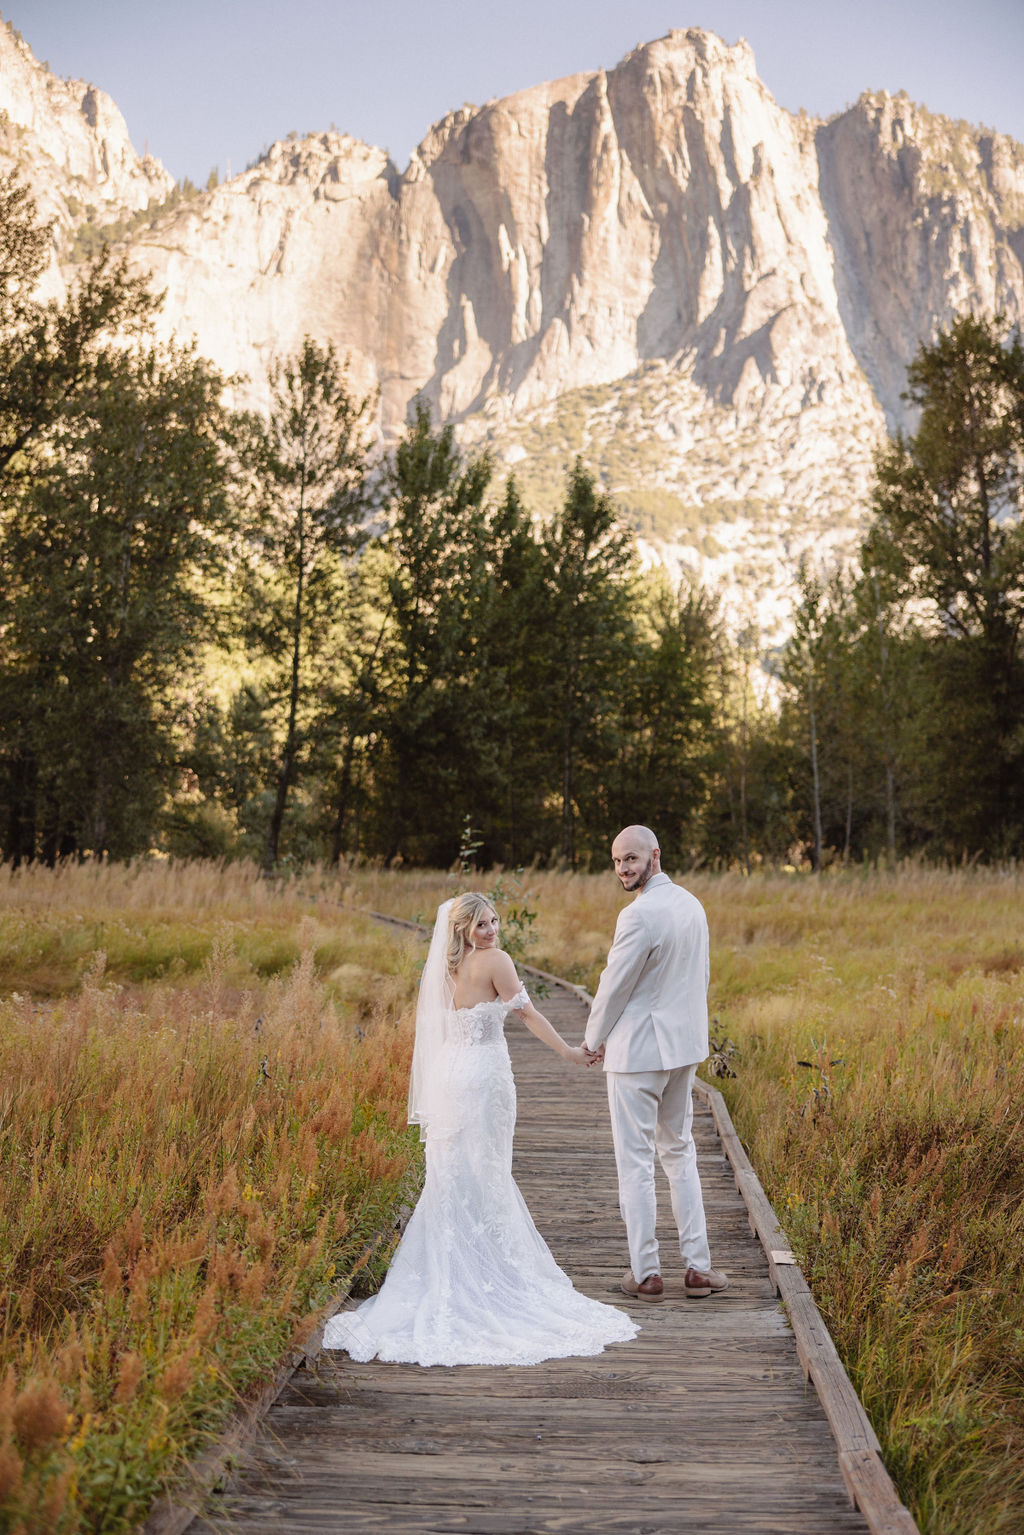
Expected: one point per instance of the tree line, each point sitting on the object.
(231, 634)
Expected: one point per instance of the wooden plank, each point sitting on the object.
(871, 1488)
(867, 1481)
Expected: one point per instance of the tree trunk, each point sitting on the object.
(569, 774)
(100, 802)
(744, 831)
(344, 794)
(287, 768)
(568, 814)
(890, 812)
(814, 775)
(20, 844)
(884, 690)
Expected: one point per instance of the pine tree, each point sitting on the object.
(435, 754)
(948, 535)
(109, 556)
(48, 349)
(589, 559)
(311, 464)
(662, 770)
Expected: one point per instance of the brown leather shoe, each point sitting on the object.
(697, 1283)
(650, 1288)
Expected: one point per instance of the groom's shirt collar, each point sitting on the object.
(661, 878)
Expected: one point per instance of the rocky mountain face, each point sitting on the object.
(656, 266)
(71, 143)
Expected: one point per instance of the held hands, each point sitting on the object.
(579, 1055)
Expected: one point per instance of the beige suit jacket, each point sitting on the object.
(651, 1007)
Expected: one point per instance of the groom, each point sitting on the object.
(649, 1024)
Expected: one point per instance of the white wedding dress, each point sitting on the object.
(473, 1281)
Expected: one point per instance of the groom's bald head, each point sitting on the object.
(636, 856)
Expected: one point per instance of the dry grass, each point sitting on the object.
(195, 1144)
(190, 1165)
(880, 1020)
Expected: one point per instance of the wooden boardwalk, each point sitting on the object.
(704, 1422)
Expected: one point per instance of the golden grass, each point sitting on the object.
(894, 1156)
(195, 1144)
(190, 1165)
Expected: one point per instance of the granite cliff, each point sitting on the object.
(71, 144)
(710, 298)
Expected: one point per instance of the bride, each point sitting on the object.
(473, 1281)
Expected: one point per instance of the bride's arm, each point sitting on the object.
(549, 1035)
(508, 985)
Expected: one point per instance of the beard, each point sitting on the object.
(638, 880)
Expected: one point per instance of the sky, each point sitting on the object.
(211, 83)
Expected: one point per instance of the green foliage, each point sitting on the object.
(589, 558)
(48, 350)
(662, 771)
(948, 539)
(102, 606)
(949, 503)
(905, 682)
(89, 239)
(114, 505)
(432, 760)
(308, 464)
(207, 642)
(517, 921)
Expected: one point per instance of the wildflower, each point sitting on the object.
(175, 1380)
(40, 1415)
(110, 1277)
(129, 1375)
(10, 1471)
(78, 1442)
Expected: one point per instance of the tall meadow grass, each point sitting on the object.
(202, 1124)
(202, 1105)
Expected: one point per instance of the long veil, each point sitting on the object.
(435, 999)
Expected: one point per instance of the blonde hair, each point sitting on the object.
(466, 912)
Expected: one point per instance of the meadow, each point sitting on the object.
(202, 1130)
(202, 1095)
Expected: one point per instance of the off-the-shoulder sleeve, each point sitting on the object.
(520, 1000)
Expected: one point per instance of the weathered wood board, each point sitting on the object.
(704, 1422)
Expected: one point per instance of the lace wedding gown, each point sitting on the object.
(473, 1281)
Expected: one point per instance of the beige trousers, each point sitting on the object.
(652, 1111)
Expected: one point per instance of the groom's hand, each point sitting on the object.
(594, 1056)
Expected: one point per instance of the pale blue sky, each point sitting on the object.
(212, 82)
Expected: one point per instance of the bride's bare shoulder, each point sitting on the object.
(502, 970)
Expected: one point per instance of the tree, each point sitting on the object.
(49, 349)
(517, 634)
(949, 501)
(948, 534)
(831, 712)
(663, 767)
(109, 555)
(883, 693)
(352, 698)
(435, 757)
(311, 467)
(589, 559)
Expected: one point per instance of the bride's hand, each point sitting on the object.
(577, 1055)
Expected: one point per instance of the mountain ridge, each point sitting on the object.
(713, 299)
